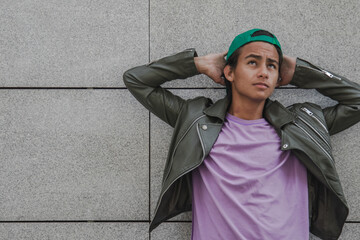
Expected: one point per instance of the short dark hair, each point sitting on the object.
(232, 61)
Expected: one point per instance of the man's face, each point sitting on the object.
(256, 74)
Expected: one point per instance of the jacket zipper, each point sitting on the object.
(317, 133)
(311, 114)
(182, 174)
(318, 144)
(189, 170)
(330, 75)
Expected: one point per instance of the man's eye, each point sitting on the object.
(251, 62)
(272, 66)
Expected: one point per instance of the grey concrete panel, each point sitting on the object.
(351, 231)
(182, 231)
(78, 231)
(71, 43)
(160, 141)
(73, 155)
(173, 231)
(346, 150)
(291, 96)
(324, 32)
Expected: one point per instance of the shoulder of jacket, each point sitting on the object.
(193, 108)
(310, 105)
(200, 101)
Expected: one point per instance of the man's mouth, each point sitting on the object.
(261, 85)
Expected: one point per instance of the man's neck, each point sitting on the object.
(247, 110)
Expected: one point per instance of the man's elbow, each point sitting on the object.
(128, 78)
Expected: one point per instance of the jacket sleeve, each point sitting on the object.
(344, 114)
(144, 83)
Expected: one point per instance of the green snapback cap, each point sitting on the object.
(251, 36)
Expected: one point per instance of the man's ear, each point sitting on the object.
(278, 83)
(228, 73)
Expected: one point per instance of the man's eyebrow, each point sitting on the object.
(273, 61)
(253, 56)
(259, 57)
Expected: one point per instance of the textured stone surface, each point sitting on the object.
(71, 43)
(176, 231)
(346, 150)
(73, 155)
(182, 231)
(320, 31)
(83, 154)
(351, 231)
(291, 96)
(78, 231)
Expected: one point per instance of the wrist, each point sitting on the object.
(200, 63)
(287, 69)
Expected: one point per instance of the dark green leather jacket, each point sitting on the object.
(304, 128)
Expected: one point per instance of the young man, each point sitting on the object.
(248, 167)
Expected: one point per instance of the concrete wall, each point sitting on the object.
(80, 157)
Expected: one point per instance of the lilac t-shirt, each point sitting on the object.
(247, 188)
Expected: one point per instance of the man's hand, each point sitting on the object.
(212, 65)
(287, 70)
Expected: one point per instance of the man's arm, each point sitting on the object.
(308, 76)
(287, 70)
(144, 83)
(212, 65)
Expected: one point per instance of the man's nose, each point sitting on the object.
(263, 71)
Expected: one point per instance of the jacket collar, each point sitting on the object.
(218, 109)
(274, 112)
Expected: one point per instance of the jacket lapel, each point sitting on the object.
(208, 135)
(209, 130)
(218, 109)
(276, 114)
